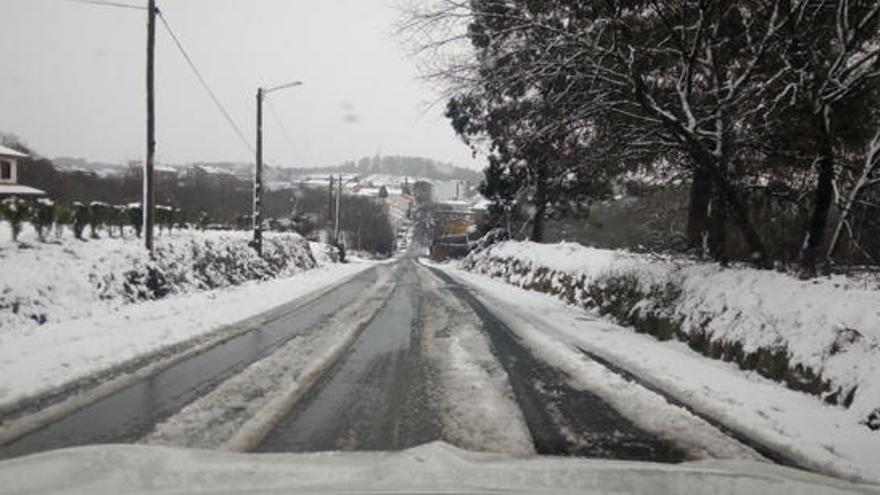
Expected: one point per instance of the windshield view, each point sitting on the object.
(439, 246)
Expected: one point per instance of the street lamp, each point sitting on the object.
(258, 172)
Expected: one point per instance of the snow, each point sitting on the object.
(45, 358)
(16, 189)
(63, 280)
(432, 468)
(829, 325)
(237, 414)
(825, 438)
(5, 151)
(476, 403)
(669, 422)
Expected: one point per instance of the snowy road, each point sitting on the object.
(436, 364)
(375, 398)
(131, 412)
(398, 356)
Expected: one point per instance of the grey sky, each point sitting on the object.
(72, 81)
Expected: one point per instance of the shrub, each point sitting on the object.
(136, 218)
(63, 218)
(80, 219)
(98, 213)
(15, 211)
(43, 216)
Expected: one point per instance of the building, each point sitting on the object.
(450, 190)
(9, 177)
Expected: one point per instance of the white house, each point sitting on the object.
(9, 185)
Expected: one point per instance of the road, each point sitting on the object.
(430, 362)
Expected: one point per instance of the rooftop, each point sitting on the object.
(19, 190)
(9, 152)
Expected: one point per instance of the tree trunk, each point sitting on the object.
(717, 234)
(815, 228)
(540, 205)
(740, 215)
(735, 208)
(698, 208)
(872, 161)
(706, 161)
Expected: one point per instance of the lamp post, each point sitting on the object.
(258, 171)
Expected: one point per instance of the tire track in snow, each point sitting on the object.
(555, 388)
(470, 388)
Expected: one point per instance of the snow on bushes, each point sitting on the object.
(818, 336)
(72, 279)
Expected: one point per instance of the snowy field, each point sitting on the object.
(830, 325)
(829, 439)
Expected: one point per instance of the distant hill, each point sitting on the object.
(400, 166)
(66, 163)
(393, 165)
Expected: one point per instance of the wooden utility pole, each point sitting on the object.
(338, 207)
(258, 178)
(149, 185)
(330, 201)
(258, 167)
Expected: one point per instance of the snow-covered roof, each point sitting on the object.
(19, 190)
(482, 204)
(214, 170)
(10, 153)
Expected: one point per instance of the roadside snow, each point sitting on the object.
(45, 358)
(54, 282)
(476, 403)
(825, 438)
(829, 325)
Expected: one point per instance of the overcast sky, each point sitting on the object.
(72, 81)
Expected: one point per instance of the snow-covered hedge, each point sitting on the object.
(71, 279)
(819, 336)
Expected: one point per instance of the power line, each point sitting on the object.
(277, 118)
(109, 4)
(205, 85)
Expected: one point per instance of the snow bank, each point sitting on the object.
(817, 436)
(819, 336)
(68, 279)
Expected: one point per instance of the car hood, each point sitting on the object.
(431, 468)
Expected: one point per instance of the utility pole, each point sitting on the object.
(149, 186)
(330, 201)
(258, 179)
(257, 243)
(338, 207)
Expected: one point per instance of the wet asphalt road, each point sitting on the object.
(128, 414)
(562, 420)
(371, 399)
(374, 398)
